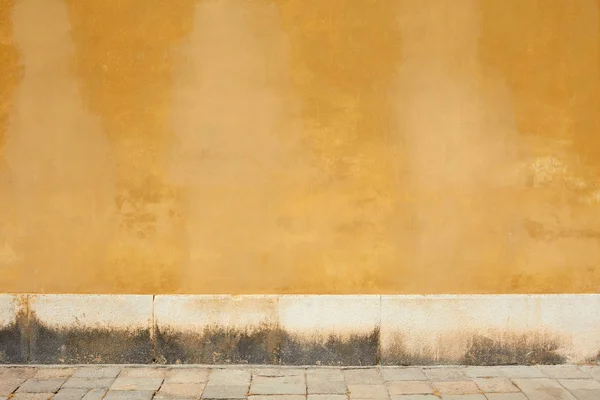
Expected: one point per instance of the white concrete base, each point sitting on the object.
(307, 329)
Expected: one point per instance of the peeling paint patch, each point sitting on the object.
(80, 345)
(219, 345)
(354, 349)
(514, 349)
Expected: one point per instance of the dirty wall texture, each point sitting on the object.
(287, 146)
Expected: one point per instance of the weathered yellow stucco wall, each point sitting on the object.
(300, 146)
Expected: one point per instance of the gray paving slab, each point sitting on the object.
(88, 383)
(456, 387)
(410, 387)
(564, 372)
(543, 389)
(95, 394)
(70, 394)
(362, 376)
(10, 384)
(187, 375)
(225, 392)
(446, 374)
(35, 385)
(97, 372)
(371, 392)
(136, 383)
(403, 374)
(182, 390)
(495, 385)
(129, 395)
(327, 387)
(506, 396)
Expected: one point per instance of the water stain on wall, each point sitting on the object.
(58, 164)
(547, 53)
(300, 146)
(124, 66)
(11, 72)
(343, 58)
(234, 156)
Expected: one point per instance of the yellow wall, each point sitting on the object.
(300, 146)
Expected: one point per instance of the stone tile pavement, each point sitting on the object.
(565, 382)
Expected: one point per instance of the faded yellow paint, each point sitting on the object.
(287, 146)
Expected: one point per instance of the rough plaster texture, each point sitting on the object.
(280, 329)
(299, 146)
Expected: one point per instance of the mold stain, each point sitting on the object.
(123, 62)
(355, 349)
(524, 349)
(530, 348)
(220, 345)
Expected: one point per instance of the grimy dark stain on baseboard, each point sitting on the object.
(264, 345)
(30, 341)
(502, 349)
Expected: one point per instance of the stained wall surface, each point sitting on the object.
(300, 146)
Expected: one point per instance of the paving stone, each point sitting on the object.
(564, 372)
(457, 387)
(9, 385)
(143, 373)
(275, 372)
(403, 374)
(505, 396)
(362, 376)
(371, 392)
(592, 370)
(32, 396)
(88, 383)
(415, 397)
(323, 387)
(3, 398)
(139, 384)
(282, 397)
(277, 388)
(97, 372)
(295, 379)
(225, 392)
(18, 372)
(182, 390)
(187, 375)
(543, 389)
(324, 375)
(582, 389)
(464, 397)
(129, 395)
(235, 377)
(70, 394)
(95, 394)
(34, 385)
(327, 397)
(580, 384)
(521, 371)
(446, 374)
(483, 372)
(409, 387)
(584, 394)
(48, 373)
(495, 385)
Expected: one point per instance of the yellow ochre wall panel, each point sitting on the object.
(300, 146)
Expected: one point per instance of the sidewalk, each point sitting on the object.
(565, 382)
